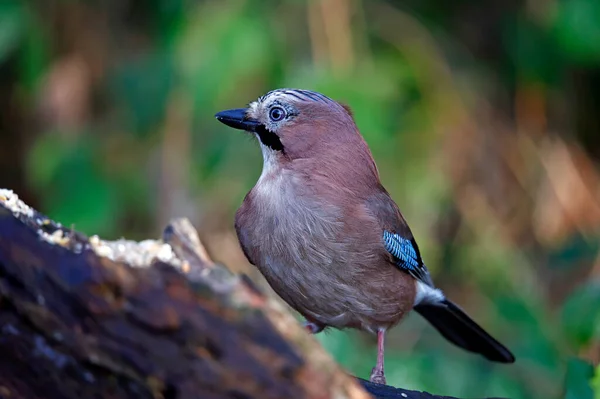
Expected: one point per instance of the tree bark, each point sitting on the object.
(85, 318)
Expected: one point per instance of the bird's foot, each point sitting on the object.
(377, 376)
(312, 328)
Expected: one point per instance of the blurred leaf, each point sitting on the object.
(12, 25)
(581, 314)
(44, 158)
(537, 341)
(91, 203)
(337, 342)
(171, 18)
(226, 47)
(74, 191)
(531, 51)
(576, 251)
(143, 85)
(577, 30)
(577, 383)
(596, 383)
(34, 55)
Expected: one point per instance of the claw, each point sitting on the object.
(377, 376)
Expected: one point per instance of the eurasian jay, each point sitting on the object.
(326, 234)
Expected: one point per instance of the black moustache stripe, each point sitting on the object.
(269, 138)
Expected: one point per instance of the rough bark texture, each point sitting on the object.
(85, 318)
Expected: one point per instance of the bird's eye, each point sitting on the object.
(276, 114)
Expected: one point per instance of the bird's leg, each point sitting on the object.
(312, 327)
(378, 375)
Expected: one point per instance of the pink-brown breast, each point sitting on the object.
(321, 250)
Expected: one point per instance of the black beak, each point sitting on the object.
(237, 119)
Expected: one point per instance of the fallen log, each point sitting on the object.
(81, 317)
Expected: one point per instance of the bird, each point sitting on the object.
(327, 236)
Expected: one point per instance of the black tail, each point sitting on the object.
(457, 327)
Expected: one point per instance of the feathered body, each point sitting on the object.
(317, 239)
(325, 233)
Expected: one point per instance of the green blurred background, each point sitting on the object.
(483, 116)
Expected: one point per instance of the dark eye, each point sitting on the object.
(276, 114)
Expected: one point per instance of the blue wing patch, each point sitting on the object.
(402, 249)
(406, 256)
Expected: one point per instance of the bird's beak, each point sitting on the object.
(237, 119)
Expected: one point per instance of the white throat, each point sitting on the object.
(270, 164)
(269, 182)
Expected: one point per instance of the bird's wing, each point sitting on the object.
(406, 256)
(397, 237)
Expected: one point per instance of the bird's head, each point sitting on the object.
(293, 123)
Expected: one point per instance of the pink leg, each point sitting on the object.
(378, 375)
(312, 328)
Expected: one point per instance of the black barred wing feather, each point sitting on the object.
(406, 255)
